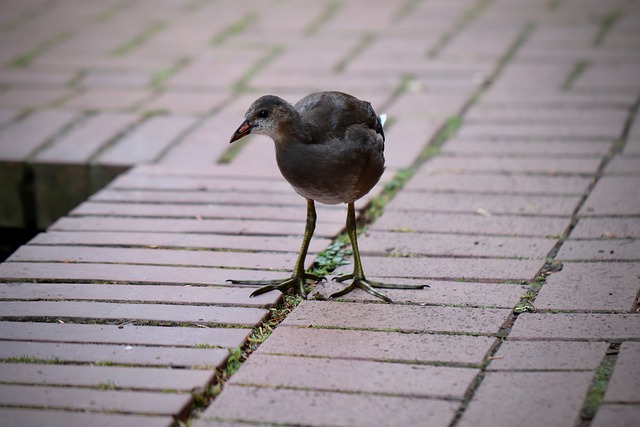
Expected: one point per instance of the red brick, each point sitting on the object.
(625, 381)
(539, 131)
(146, 142)
(524, 114)
(385, 243)
(177, 357)
(32, 97)
(94, 400)
(166, 210)
(439, 292)
(576, 326)
(500, 165)
(472, 224)
(591, 286)
(614, 195)
(623, 166)
(130, 273)
(500, 399)
(540, 149)
(346, 409)
(355, 376)
(93, 376)
(179, 240)
(199, 258)
(197, 183)
(497, 184)
(7, 115)
(548, 355)
(33, 417)
(616, 415)
(497, 204)
(376, 345)
(32, 132)
(597, 250)
(402, 318)
(448, 268)
(185, 102)
(107, 99)
(607, 227)
(181, 336)
(223, 226)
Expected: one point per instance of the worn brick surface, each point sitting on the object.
(624, 386)
(382, 242)
(607, 227)
(591, 286)
(388, 346)
(83, 399)
(511, 165)
(616, 415)
(492, 203)
(119, 377)
(614, 195)
(402, 318)
(595, 250)
(576, 326)
(623, 166)
(472, 224)
(540, 149)
(346, 409)
(355, 376)
(500, 399)
(548, 355)
(30, 417)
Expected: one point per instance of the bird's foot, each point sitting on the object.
(369, 285)
(296, 282)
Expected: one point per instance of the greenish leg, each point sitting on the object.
(359, 280)
(300, 276)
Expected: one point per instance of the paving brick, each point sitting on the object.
(616, 415)
(179, 240)
(397, 243)
(32, 97)
(94, 400)
(566, 326)
(539, 131)
(384, 346)
(591, 286)
(509, 225)
(541, 149)
(501, 165)
(109, 99)
(166, 210)
(596, 250)
(176, 357)
(607, 227)
(497, 204)
(439, 292)
(7, 115)
(623, 166)
(487, 114)
(118, 377)
(448, 268)
(355, 376)
(221, 226)
(69, 254)
(146, 143)
(499, 184)
(31, 417)
(151, 182)
(346, 409)
(124, 334)
(614, 195)
(403, 318)
(624, 386)
(189, 103)
(130, 273)
(500, 399)
(548, 355)
(147, 312)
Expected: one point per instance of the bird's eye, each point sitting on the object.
(263, 113)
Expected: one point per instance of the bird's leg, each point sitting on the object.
(358, 277)
(300, 276)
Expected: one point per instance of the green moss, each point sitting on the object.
(24, 60)
(139, 39)
(598, 387)
(325, 16)
(233, 29)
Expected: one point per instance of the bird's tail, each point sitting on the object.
(383, 118)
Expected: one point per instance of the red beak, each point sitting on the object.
(242, 131)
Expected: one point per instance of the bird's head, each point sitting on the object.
(265, 116)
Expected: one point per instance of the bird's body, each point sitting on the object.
(329, 147)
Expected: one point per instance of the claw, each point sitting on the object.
(280, 285)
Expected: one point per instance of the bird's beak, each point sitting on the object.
(242, 131)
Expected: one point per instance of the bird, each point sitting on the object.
(330, 148)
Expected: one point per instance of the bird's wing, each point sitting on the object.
(332, 113)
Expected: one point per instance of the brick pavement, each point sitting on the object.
(522, 215)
